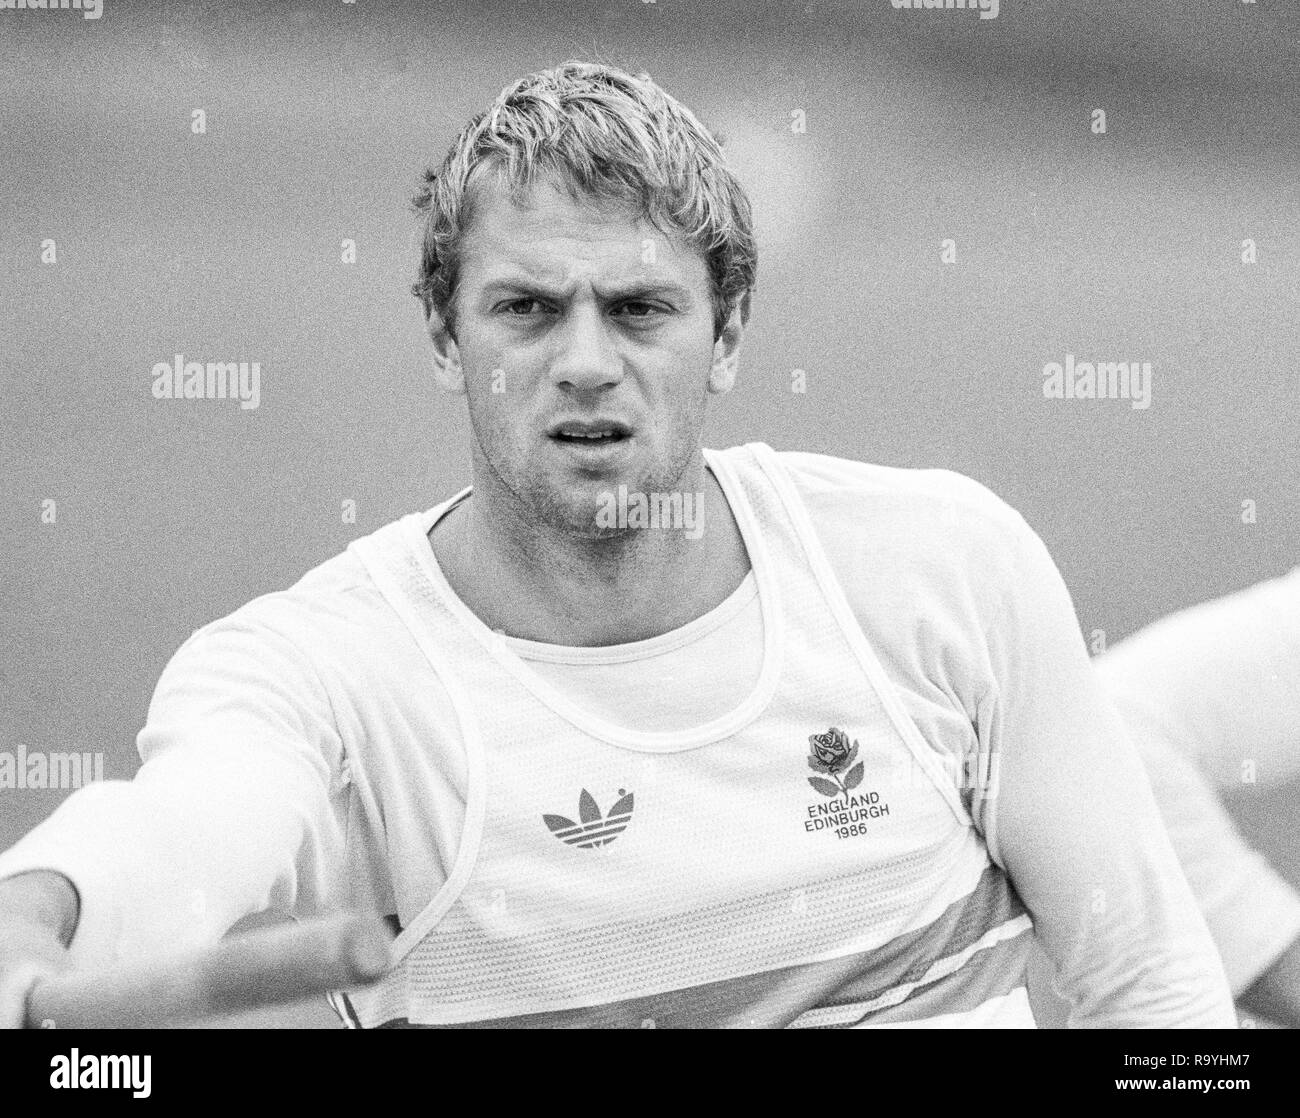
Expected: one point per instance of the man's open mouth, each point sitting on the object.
(587, 433)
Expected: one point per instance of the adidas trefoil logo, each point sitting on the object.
(592, 830)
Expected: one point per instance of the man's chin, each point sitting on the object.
(586, 513)
(588, 510)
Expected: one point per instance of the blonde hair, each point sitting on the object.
(603, 134)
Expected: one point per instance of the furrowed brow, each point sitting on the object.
(521, 285)
(644, 289)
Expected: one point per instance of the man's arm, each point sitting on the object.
(1074, 823)
(1211, 695)
(237, 809)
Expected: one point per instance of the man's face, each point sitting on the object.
(585, 339)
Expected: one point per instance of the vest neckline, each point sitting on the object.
(496, 646)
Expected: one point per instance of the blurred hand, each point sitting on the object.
(38, 912)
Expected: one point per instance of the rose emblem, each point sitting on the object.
(831, 749)
(830, 755)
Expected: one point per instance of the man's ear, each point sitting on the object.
(726, 350)
(446, 355)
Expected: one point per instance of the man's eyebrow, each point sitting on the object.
(645, 289)
(519, 285)
(637, 289)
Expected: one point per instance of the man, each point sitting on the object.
(630, 732)
(1211, 696)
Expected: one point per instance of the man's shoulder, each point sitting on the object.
(832, 488)
(332, 600)
(930, 535)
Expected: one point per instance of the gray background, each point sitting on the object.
(920, 126)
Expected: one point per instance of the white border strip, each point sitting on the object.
(475, 793)
(847, 1014)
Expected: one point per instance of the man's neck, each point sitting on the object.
(539, 584)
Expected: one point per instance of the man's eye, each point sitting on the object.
(637, 309)
(522, 307)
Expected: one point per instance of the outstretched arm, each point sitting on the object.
(233, 812)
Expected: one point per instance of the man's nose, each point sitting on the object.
(587, 357)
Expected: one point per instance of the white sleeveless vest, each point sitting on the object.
(803, 860)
